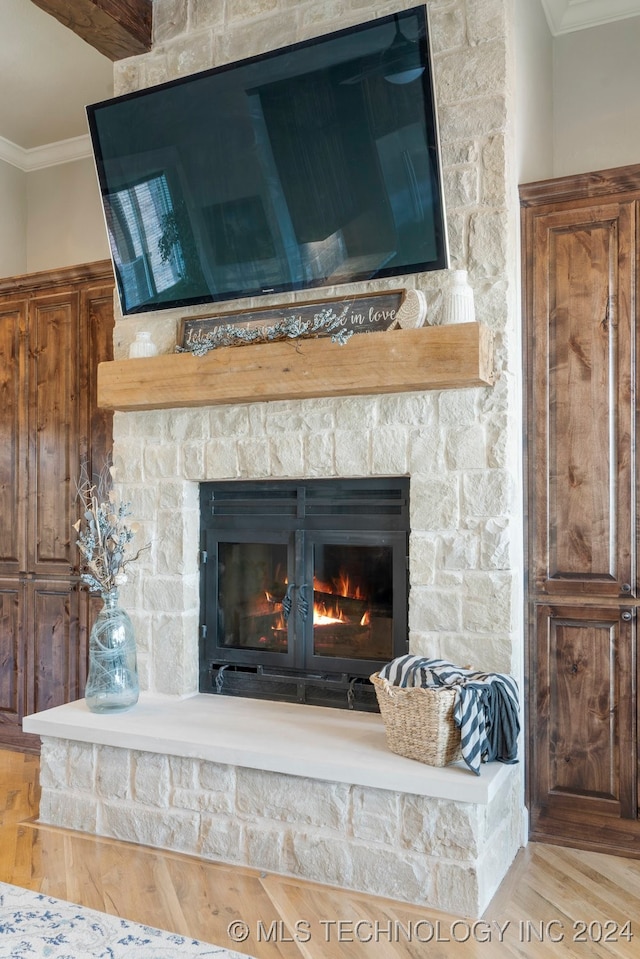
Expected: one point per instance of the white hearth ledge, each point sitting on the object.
(317, 742)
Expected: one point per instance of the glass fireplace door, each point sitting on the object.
(329, 600)
(359, 599)
(303, 587)
(249, 586)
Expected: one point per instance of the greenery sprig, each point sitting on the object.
(326, 322)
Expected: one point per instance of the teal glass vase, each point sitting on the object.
(112, 682)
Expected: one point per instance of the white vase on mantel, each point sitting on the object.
(458, 305)
(143, 345)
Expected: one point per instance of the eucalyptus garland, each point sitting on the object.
(292, 328)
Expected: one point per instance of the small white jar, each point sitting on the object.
(458, 304)
(143, 345)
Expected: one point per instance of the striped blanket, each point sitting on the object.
(486, 708)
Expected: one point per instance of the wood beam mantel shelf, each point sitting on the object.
(429, 358)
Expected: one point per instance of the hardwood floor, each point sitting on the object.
(553, 902)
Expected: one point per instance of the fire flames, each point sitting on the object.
(341, 586)
(328, 611)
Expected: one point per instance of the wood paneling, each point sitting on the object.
(55, 413)
(54, 330)
(11, 650)
(12, 448)
(581, 313)
(584, 729)
(580, 256)
(435, 357)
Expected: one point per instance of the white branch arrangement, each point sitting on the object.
(103, 536)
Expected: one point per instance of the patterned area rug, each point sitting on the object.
(34, 926)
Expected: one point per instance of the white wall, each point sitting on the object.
(65, 224)
(534, 93)
(50, 218)
(596, 98)
(577, 96)
(13, 216)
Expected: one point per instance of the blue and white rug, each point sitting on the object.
(35, 926)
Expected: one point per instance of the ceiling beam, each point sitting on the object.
(117, 28)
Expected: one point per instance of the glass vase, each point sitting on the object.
(112, 683)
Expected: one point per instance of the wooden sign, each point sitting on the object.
(371, 313)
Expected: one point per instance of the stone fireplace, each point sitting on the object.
(315, 794)
(327, 801)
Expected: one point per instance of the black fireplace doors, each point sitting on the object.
(303, 587)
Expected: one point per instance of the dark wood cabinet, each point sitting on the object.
(580, 259)
(54, 330)
(583, 768)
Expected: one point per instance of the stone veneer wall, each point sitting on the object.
(460, 448)
(443, 854)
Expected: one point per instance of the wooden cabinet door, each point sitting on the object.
(13, 493)
(581, 402)
(582, 745)
(52, 338)
(580, 258)
(12, 659)
(54, 427)
(13, 439)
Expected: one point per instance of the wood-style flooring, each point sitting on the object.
(553, 902)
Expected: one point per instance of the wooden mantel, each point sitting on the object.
(430, 358)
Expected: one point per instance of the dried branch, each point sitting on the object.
(103, 536)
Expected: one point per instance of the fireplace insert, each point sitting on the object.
(304, 587)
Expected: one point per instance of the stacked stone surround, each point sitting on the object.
(460, 598)
(459, 448)
(411, 848)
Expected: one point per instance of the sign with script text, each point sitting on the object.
(372, 313)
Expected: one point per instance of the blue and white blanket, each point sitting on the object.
(486, 708)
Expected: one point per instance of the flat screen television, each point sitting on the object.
(313, 165)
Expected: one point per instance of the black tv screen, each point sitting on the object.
(314, 165)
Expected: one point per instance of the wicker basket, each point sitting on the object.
(419, 722)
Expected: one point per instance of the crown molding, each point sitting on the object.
(11, 153)
(565, 16)
(51, 154)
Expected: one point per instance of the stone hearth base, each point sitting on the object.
(296, 790)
